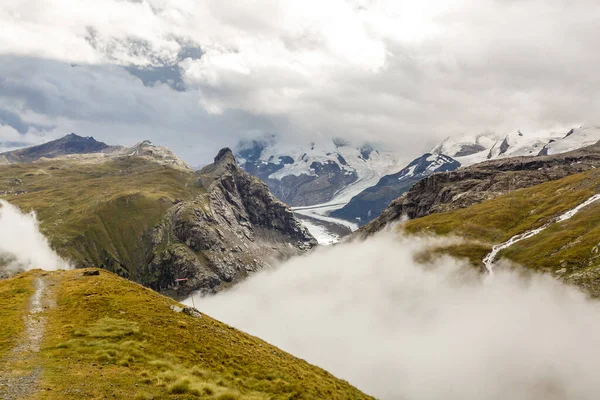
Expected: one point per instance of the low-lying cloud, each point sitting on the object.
(22, 246)
(397, 329)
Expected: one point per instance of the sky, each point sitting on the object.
(198, 75)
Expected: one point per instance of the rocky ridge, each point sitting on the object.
(234, 230)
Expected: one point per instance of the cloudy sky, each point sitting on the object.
(197, 75)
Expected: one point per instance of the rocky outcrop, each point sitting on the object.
(237, 228)
(442, 192)
(160, 154)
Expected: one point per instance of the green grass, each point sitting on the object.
(14, 297)
(99, 214)
(112, 338)
(569, 245)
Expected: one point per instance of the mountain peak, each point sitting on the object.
(68, 144)
(225, 155)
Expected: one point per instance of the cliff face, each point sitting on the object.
(235, 229)
(462, 188)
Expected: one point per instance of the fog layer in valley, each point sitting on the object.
(368, 313)
(22, 246)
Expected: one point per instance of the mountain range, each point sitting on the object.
(316, 173)
(337, 187)
(148, 217)
(143, 214)
(462, 150)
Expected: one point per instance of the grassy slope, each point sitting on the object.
(99, 212)
(111, 338)
(14, 297)
(569, 244)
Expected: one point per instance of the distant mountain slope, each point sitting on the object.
(471, 185)
(316, 173)
(105, 337)
(70, 144)
(368, 204)
(74, 147)
(472, 149)
(145, 217)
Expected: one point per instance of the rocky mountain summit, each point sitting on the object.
(463, 151)
(471, 185)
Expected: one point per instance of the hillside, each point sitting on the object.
(105, 337)
(148, 219)
(568, 249)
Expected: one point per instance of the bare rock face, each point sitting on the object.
(464, 187)
(237, 228)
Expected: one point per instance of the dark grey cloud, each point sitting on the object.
(13, 120)
(167, 73)
(107, 102)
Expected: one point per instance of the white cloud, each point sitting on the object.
(381, 70)
(22, 246)
(368, 313)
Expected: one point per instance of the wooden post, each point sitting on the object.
(189, 288)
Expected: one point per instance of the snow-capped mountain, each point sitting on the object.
(368, 204)
(472, 149)
(463, 150)
(315, 173)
